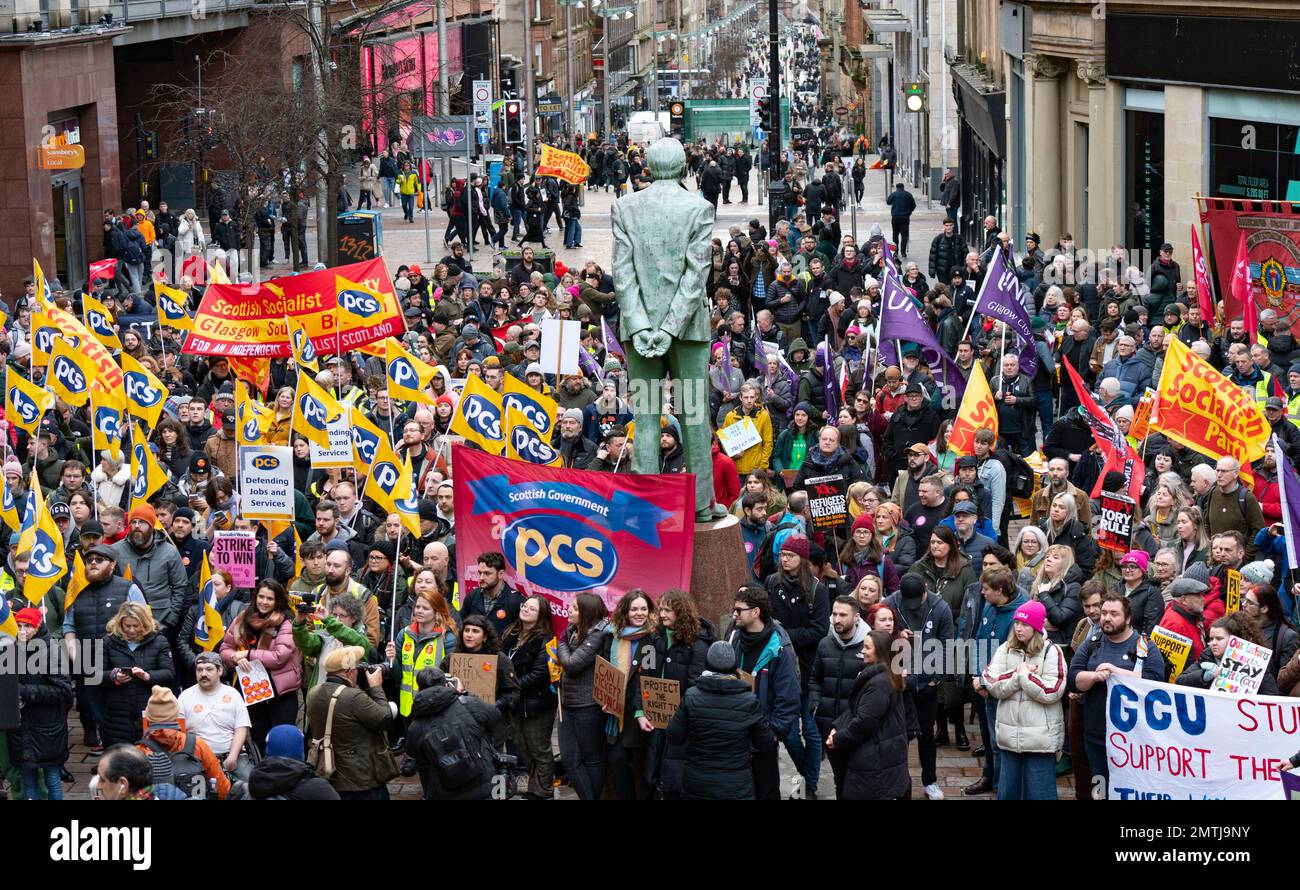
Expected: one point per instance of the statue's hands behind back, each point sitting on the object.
(651, 344)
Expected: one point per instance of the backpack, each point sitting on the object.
(1204, 501)
(181, 768)
(1020, 478)
(765, 562)
(455, 765)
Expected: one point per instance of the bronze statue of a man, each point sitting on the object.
(661, 263)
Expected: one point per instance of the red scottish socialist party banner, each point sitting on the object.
(566, 532)
(236, 320)
(1272, 230)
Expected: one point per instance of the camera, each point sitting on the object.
(367, 668)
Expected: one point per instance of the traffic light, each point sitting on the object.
(764, 113)
(914, 96)
(514, 111)
(151, 148)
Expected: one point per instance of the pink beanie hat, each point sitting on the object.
(1032, 613)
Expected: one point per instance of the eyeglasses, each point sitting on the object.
(740, 611)
(1251, 603)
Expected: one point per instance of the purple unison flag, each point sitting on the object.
(900, 320)
(1289, 489)
(759, 357)
(726, 351)
(999, 299)
(611, 342)
(830, 386)
(588, 364)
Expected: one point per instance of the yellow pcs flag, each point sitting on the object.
(44, 334)
(49, 563)
(146, 475)
(314, 410)
(978, 411)
(479, 416)
(7, 623)
(209, 629)
(525, 443)
(408, 377)
(77, 583)
(42, 286)
(108, 421)
(70, 373)
(252, 418)
(304, 353)
(390, 486)
(100, 320)
(25, 402)
(145, 394)
(541, 410)
(366, 439)
(357, 303)
(171, 307)
(9, 509)
(217, 274)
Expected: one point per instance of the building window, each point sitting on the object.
(1254, 160)
(1144, 151)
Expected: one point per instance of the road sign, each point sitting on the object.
(483, 137)
(443, 135)
(757, 91)
(759, 135)
(482, 119)
(482, 93)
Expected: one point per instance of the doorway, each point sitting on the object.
(69, 229)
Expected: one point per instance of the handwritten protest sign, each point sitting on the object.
(236, 553)
(1232, 591)
(1242, 667)
(608, 688)
(478, 674)
(1166, 742)
(739, 437)
(660, 699)
(1174, 647)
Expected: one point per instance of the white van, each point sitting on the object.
(645, 128)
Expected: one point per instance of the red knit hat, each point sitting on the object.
(864, 520)
(796, 544)
(29, 615)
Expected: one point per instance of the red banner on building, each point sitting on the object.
(567, 532)
(234, 320)
(1272, 230)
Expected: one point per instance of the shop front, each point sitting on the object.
(981, 148)
(399, 81)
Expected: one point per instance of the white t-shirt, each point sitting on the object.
(214, 716)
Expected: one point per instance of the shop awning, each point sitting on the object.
(875, 51)
(981, 104)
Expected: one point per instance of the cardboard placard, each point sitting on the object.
(1242, 667)
(609, 688)
(828, 500)
(1174, 647)
(254, 682)
(660, 699)
(478, 674)
(748, 678)
(1232, 591)
(1141, 424)
(339, 454)
(1116, 528)
(560, 341)
(739, 437)
(236, 553)
(266, 482)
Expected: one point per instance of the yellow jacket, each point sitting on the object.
(408, 183)
(756, 457)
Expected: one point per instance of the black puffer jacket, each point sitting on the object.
(123, 704)
(873, 735)
(834, 670)
(283, 778)
(718, 724)
(1148, 606)
(46, 699)
(805, 615)
(535, 694)
(683, 663)
(1075, 535)
(440, 710)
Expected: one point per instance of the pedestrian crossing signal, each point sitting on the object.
(914, 96)
(514, 128)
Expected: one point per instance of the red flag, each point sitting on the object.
(1204, 295)
(1118, 454)
(254, 371)
(1242, 290)
(106, 269)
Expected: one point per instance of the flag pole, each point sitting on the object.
(90, 396)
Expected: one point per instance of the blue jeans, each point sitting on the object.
(408, 207)
(806, 749)
(1027, 776)
(90, 705)
(992, 754)
(1046, 410)
(952, 213)
(572, 232)
(516, 217)
(32, 776)
(390, 183)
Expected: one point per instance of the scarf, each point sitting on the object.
(621, 654)
(258, 628)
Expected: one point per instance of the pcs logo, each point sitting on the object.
(483, 417)
(359, 303)
(559, 553)
(252, 432)
(365, 443)
(530, 446)
(386, 475)
(402, 374)
(69, 375)
(108, 422)
(534, 412)
(266, 462)
(42, 563)
(303, 346)
(140, 391)
(314, 412)
(28, 411)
